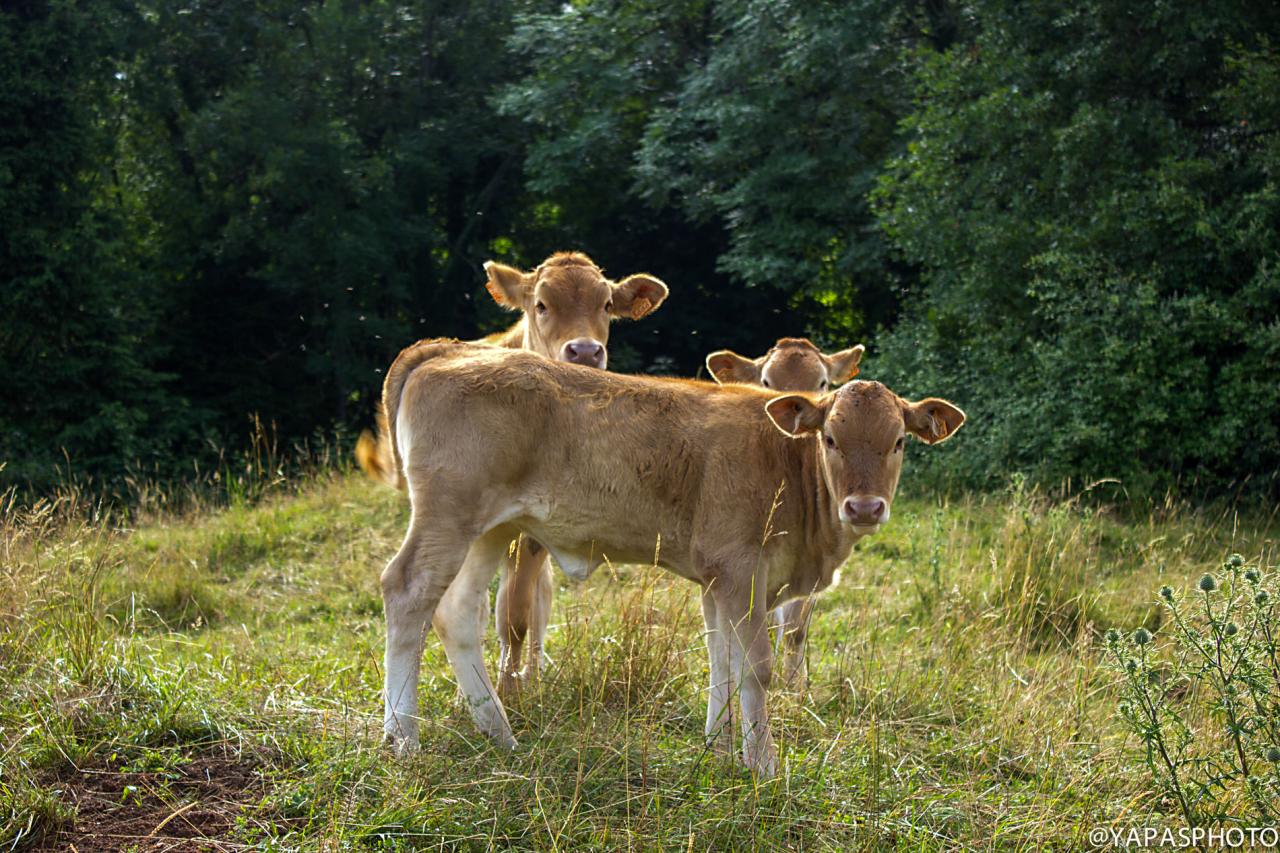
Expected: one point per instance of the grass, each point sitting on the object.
(214, 674)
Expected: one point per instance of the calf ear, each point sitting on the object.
(727, 366)
(796, 414)
(843, 366)
(932, 420)
(638, 295)
(509, 287)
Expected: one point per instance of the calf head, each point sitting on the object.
(861, 432)
(793, 364)
(568, 304)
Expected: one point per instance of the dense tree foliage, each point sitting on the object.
(1064, 218)
(1092, 195)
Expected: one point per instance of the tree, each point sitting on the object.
(1091, 192)
(78, 352)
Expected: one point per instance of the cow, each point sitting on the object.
(755, 497)
(792, 364)
(566, 305)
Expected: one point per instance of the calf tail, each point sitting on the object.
(379, 456)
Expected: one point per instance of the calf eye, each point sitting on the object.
(901, 441)
(765, 383)
(542, 308)
(608, 306)
(822, 386)
(831, 442)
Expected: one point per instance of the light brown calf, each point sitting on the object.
(754, 497)
(567, 305)
(793, 364)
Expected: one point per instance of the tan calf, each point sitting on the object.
(567, 305)
(754, 497)
(793, 364)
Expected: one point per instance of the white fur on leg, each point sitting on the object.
(405, 628)
(719, 728)
(459, 620)
(750, 664)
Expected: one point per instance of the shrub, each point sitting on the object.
(1206, 702)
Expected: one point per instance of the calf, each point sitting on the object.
(755, 497)
(793, 364)
(567, 305)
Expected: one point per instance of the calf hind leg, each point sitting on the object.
(793, 625)
(460, 621)
(412, 585)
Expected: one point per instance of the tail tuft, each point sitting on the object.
(374, 455)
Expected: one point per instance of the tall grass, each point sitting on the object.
(960, 696)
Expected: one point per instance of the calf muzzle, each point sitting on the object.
(864, 511)
(585, 351)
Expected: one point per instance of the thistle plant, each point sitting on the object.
(1206, 701)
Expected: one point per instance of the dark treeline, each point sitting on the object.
(1065, 217)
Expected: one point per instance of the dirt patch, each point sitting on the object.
(192, 805)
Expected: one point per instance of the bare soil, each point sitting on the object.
(192, 807)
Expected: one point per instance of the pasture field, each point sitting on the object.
(209, 680)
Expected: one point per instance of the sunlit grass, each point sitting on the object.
(959, 694)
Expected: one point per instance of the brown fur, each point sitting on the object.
(577, 295)
(791, 364)
(597, 466)
(567, 298)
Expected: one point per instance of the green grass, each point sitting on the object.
(959, 695)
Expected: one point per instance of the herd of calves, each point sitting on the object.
(521, 446)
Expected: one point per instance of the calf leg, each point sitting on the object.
(524, 606)
(792, 620)
(539, 615)
(412, 585)
(743, 620)
(719, 730)
(460, 621)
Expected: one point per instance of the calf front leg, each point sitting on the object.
(743, 621)
(719, 729)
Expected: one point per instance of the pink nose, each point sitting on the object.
(585, 351)
(864, 511)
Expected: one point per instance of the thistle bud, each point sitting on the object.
(1231, 630)
(1252, 576)
(1261, 598)
(1113, 636)
(1141, 637)
(1208, 584)
(1235, 561)
(1273, 755)
(1166, 592)
(1131, 665)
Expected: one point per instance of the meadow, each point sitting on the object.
(206, 677)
